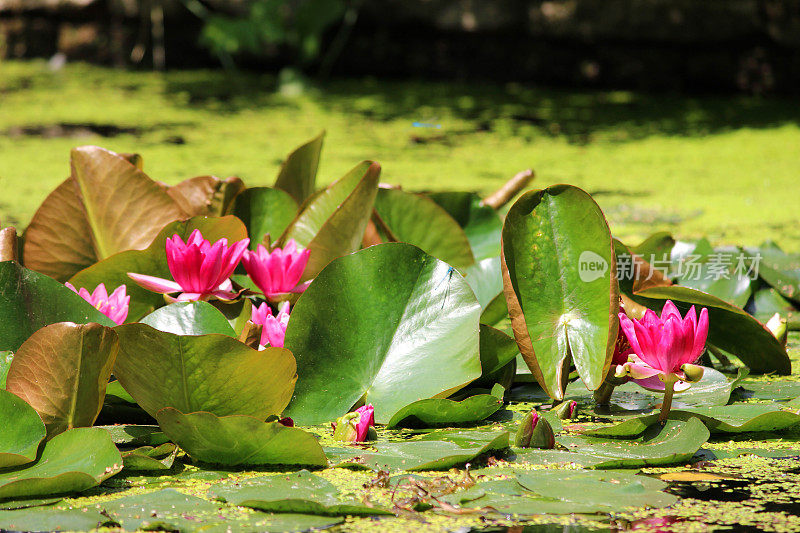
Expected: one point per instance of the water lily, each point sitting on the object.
(200, 269)
(535, 432)
(357, 426)
(114, 307)
(278, 272)
(664, 350)
(274, 327)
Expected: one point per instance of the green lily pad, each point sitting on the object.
(332, 222)
(767, 302)
(769, 390)
(738, 418)
(133, 435)
(301, 492)
(22, 433)
(26, 503)
(415, 455)
(730, 328)
(213, 373)
(116, 390)
(189, 318)
(50, 519)
(150, 458)
(163, 510)
(72, 461)
(240, 440)
(62, 371)
(298, 173)
(264, 211)
(719, 274)
(781, 271)
(497, 350)
(486, 280)
(444, 412)
(152, 261)
(559, 268)
(495, 311)
(29, 301)
(5, 364)
(416, 219)
(415, 316)
(675, 442)
(481, 223)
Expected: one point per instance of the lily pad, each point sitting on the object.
(29, 301)
(106, 206)
(739, 418)
(264, 211)
(213, 373)
(51, 519)
(22, 433)
(163, 510)
(415, 455)
(5, 364)
(559, 281)
(152, 261)
(62, 371)
(486, 279)
(675, 442)
(298, 173)
(414, 317)
(418, 220)
(332, 223)
(150, 458)
(189, 318)
(72, 461)
(132, 435)
(301, 492)
(444, 412)
(240, 440)
(481, 223)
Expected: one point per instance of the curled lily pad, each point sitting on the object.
(29, 301)
(481, 223)
(445, 412)
(72, 461)
(264, 211)
(415, 316)
(240, 440)
(214, 373)
(132, 435)
(150, 458)
(298, 174)
(62, 371)
(22, 432)
(486, 279)
(300, 492)
(560, 285)
(738, 418)
(416, 455)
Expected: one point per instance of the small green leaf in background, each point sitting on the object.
(300, 492)
(189, 318)
(767, 302)
(780, 270)
(213, 373)
(415, 455)
(149, 458)
(72, 461)
(380, 325)
(131, 435)
(444, 412)
(152, 261)
(62, 371)
(264, 211)
(29, 301)
(481, 223)
(298, 174)
(22, 432)
(559, 279)
(332, 223)
(416, 219)
(240, 440)
(729, 327)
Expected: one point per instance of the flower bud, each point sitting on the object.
(566, 410)
(694, 373)
(345, 429)
(534, 432)
(778, 326)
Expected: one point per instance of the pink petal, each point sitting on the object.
(302, 287)
(700, 334)
(189, 297)
(155, 284)
(670, 310)
(641, 371)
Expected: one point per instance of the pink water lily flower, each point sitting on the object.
(665, 349)
(274, 327)
(354, 426)
(366, 420)
(114, 307)
(277, 272)
(200, 269)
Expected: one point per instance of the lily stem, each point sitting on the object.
(666, 405)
